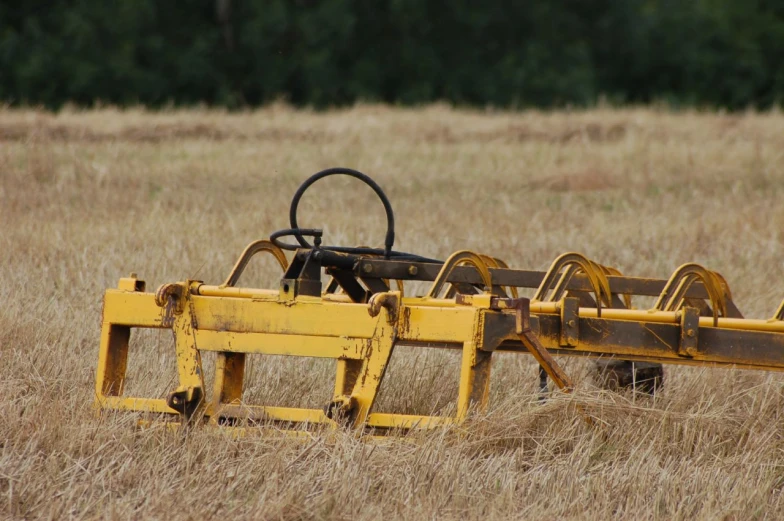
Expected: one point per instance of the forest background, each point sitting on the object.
(511, 54)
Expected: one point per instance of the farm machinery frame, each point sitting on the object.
(580, 308)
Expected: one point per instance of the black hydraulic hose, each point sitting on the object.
(394, 255)
(389, 240)
(300, 233)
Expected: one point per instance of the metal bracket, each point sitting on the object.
(690, 327)
(303, 276)
(570, 329)
(535, 347)
(185, 400)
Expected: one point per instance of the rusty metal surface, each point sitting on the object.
(674, 293)
(404, 270)
(660, 342)
(531, 342)
(581, 308)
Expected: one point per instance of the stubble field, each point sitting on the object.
(87, 197)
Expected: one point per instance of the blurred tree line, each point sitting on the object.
(541, 53)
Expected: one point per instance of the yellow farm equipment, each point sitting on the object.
(360, 312)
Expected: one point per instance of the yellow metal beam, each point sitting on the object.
(283, 345)
(664, 317)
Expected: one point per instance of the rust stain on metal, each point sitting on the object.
(581, 308)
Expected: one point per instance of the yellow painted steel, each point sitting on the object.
(252, 249)
(236, 322)
(564, 268)
(152, 405)
(458, 259)
(665, 317)
(673, 295)
(280, 344)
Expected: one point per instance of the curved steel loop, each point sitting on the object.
(167, 291)
(723, 281)
(779, 312)
(251, 250)
(558, 291)
(490, 262)
(503, 264)
(456, 259)
(615, 272)
(674, 293)
(574, 263)
(575, 269)
(494, 262)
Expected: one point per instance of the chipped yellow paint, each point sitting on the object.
(236, 322)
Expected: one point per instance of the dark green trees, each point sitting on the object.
(540, 53)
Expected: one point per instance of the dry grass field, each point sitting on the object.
(87, 197)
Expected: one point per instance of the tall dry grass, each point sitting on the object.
(86, 197)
